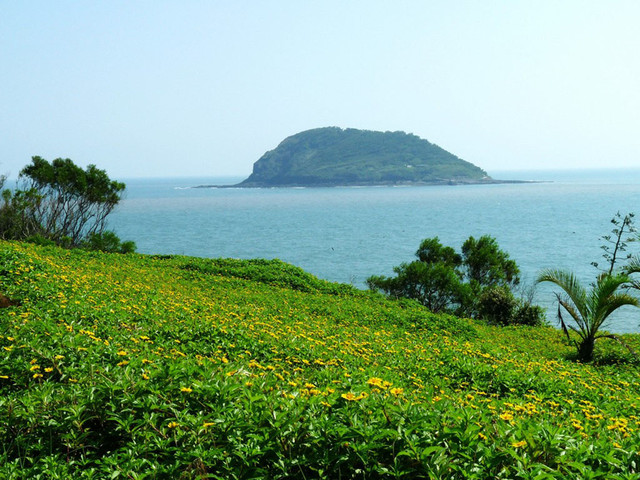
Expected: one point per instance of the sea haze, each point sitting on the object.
(347, 234)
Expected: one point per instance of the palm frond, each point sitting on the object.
(564, 326)
(575, 315)
(613, 303)
(571, 286)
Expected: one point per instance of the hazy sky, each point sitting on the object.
(204, 88)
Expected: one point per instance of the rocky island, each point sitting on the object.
(332, 156)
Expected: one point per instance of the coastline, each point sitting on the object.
(450, 182)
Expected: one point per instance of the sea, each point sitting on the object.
(346, 234)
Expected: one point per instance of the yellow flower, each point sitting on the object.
(123, 363)
(173, 425)
(145, 376)
(122, 353)
(506, 416)
(186, 390)
(207, 424)
(617, 445)
(396, 391)
(48, 369)
(349, 396)
(375, 382)
(35, 367)
(58, 357)
(37, 375)
(519, 444)
(482, 436)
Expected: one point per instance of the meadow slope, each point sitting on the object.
(134, 366)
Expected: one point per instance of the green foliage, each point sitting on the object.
(132, 366)
(588, 309)
(528, 314)
(486, 265)
(616, 243)
(271, 272)
(475, 283)
(498, 305)
(18, 215)
(437, 286)
(62, 203)
(333, 156)
(109, 242)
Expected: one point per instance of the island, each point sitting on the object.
(333, 156)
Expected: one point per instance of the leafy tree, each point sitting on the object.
(72, 202)
(488, 266)
(435, 285)
(477, 282)
(589, 309)
(60, 202)
(432, 251)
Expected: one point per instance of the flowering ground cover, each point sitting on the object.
(134, 366)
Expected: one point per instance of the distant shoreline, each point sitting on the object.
(376, 184)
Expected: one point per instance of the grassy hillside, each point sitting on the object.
(135, 366)
(335, 156)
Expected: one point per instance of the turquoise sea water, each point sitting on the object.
(348, 234)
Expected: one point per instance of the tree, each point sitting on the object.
(589, 309)
(615, 244)
(59, 202)
(435, 285)
(463, 284)
(73, 203)
(488, 266)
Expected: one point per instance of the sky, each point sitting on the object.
(204, 88)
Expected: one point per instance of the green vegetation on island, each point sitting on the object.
(134, 366)
(332, 156)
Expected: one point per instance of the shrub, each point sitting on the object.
(108, 242)
(497, 305)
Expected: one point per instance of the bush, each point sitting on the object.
(108, 242)
(497, 305)
(528, 314)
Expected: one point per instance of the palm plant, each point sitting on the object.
(589, 309)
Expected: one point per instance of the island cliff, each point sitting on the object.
(334, 156)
